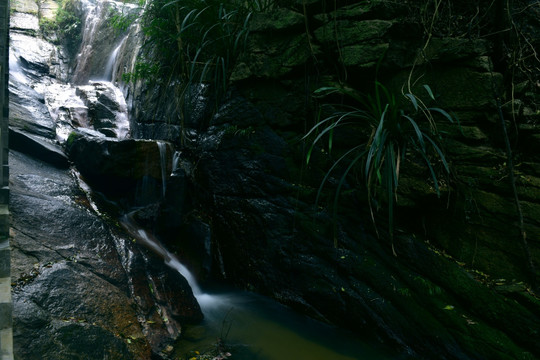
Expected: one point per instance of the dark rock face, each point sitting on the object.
(122, 167)
(242, 168)
(38, 147)
(78, 282)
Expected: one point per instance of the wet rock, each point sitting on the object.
(35, 67)
(122, 167)
(24, 23)
(36, 56)
(61, 256)
(27, 110)
(238, 112)
(159, 131)
(76, 292)
(175, 294)
(107, 111)
(25, 6)
(66, 109)
(74, 316)
(38, 147)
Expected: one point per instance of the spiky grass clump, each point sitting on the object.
(396, 131)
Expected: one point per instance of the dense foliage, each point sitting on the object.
(197, 41)
(67, 26)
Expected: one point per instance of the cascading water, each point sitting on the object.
(176, 161)
(281, 334)
(90, 23)
(153, 244)
(110, 70)
(99, 39)
(163, 156)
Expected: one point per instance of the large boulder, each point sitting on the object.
(133, 169)
(38, 147)
(81, 286)
(27, 109)
(37, 56)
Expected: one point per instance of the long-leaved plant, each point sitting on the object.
(396, 129)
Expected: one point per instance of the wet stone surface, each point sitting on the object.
(72, 287)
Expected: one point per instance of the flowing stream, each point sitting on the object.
(252, 326)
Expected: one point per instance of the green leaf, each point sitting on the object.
(417, 130)
(444, 113)
(439, 152)
(430, 93)
(413, 100)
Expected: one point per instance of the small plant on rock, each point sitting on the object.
(396, 130)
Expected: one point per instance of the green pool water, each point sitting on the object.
(255, 328)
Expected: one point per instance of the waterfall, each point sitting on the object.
(122, 118)
(176, 161)
(15, 70)
(153, 244)
(109, 72)
(99, 44)
(163, 161)
(90, 24)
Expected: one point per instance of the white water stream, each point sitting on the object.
(163, 158)
(110, 70)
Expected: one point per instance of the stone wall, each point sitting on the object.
(6, 342)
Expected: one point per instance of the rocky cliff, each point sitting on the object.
(454, 281)
(460, 284)
(82, 286)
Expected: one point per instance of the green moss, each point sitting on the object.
(347, 33)
(71, 138)
(276, 20)
(69, 25)
(356, 55)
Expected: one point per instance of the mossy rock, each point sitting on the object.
(528, 187)
(273, 57)
(48, 9)
(280, 19)
(472, 298)
(346, 32)
(464, 133)
(363, 10)
(464, 88)
(453, 49)
(480, 63)
(463, 154)
(25, 6)
(457, 88)
(362, 55)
